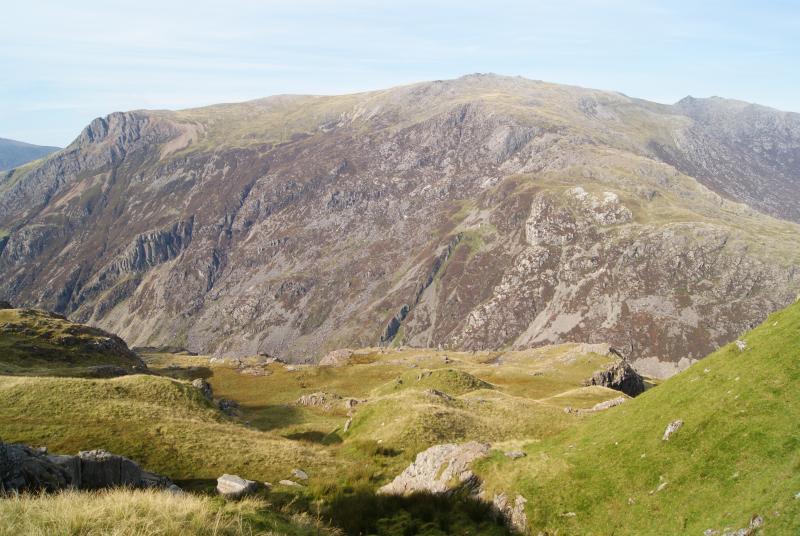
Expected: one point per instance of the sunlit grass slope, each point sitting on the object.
(737, 454)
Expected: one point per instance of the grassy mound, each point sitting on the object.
(737, 454)
(161, 423)
(145, 513)
(411, 420)
(451, 381)
(34, 342)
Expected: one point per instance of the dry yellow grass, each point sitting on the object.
(144, 513)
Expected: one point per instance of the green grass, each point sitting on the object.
(34, 342)
(451, 381)
(738, 453)
(147, 513)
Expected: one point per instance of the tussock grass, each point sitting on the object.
(144, 513)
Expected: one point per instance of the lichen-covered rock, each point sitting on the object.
(671, 429)
(234, 486)
(439, 469)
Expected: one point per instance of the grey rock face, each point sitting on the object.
(744, 151)
(101, 469)
(445, 469)
(26, 469)
(620, 376)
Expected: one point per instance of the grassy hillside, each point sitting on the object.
(737, 454)
(34, 342)
(167, 426)
(164, 424)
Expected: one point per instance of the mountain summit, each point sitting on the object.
(476, 213)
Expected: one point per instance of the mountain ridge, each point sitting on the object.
(15, 153)
(296, 225)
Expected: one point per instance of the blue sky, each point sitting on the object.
(64, 63)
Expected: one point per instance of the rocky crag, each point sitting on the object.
(476, 213)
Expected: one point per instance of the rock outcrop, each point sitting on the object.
(440, 469)
(445, 469)
(619, 376)
(25, 469)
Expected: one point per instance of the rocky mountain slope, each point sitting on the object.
(16, 153)
(483, 212)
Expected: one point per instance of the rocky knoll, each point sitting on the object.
(476, 213)
(34, 341)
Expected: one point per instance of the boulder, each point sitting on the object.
(606, 404)
(440, 469)
(299, 474)
(289, 483)
(234, 486)
(620, 376)
(204, 387)
(515, 454)
(672, 427)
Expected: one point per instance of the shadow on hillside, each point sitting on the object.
(424, 514)
(273, 416)
(315, 436)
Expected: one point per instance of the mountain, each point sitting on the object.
(478, 213)
(16, 153)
